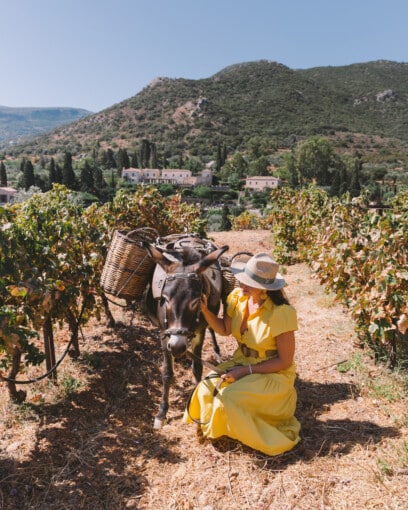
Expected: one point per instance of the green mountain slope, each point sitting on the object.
(261, 98)
(16, 123)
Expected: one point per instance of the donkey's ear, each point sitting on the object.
(157, 255)
(210, 259)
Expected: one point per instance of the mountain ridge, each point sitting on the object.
(19, 122)
(249, 99)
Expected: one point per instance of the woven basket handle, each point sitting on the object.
(143, 234)
(241, 253)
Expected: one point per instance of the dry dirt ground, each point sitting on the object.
(88, 442)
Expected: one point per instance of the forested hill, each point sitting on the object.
(16, 123)
(262, 98)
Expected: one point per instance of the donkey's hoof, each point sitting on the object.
(158, 423)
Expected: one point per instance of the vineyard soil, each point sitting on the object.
(88, 442)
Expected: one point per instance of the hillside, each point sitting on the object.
(88, 443)
(18, 123)
(262, 98)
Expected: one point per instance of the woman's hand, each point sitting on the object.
(236, 373)
(204, 303)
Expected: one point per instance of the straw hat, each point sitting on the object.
(260, 272)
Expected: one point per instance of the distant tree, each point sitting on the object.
(154, 162)
(235, 165)
(226, 224)
(87, 183)
(335, 184)
(344, 181)
(202, 191)
(355, 186)
(68, 174)
(314, 160)
(219, 159)
(28, 179)
(145, 154)
(22, 164)
(58, 173)
(3, 174)
(40, 182)
(259, 166)
(112, 185)
(99, 181)
(291, 170)
(52, 173)
(122, 161)
(108, 159)
(134, 162)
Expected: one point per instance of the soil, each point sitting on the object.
(87, 442)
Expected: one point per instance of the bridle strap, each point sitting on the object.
(188, 276)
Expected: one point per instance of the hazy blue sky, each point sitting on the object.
(94, 53)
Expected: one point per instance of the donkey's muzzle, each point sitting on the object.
(178, 341)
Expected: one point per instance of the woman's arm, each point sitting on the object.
(221, 325)
(285, 344)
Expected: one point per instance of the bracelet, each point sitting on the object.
(250, 369)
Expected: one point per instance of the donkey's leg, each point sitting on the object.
(197, 347)
(216, 347)
(167, 379)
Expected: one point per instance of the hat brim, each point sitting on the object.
(238, 269)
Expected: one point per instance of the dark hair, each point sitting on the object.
(278, 297)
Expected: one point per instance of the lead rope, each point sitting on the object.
(217, 374)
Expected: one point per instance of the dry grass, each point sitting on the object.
(88, 442)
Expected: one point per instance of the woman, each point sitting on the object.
(254, 399)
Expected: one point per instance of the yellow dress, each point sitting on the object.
(258, 409)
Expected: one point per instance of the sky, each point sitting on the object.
(93, 54)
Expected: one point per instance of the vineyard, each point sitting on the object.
(51, 258)
(92, 446)
(361, 254)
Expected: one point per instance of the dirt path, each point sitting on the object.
(95, 449)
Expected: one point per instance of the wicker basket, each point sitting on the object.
(128, 267)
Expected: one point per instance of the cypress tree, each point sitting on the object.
(58, 173)
(52, 174)
(87, 180)
(225, 221)
(344, 184)
(134, 163)
(68, 175)
(224, 155)
(355, 186)
(99, 181)
(145, 154)
(22, 164)
(218, 159)
(28, 175)
(122, 160)
(3, 174)
(153, 156)
(108, 159)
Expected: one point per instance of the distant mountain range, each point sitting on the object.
(17, 123)
(263, 98)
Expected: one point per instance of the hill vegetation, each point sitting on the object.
(254, 99)
(18, 123)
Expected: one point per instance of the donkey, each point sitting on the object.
(172, 301)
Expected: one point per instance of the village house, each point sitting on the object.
(176, 176)
(262, 182)
(6, 195)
